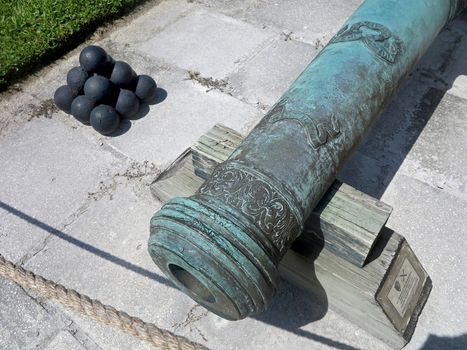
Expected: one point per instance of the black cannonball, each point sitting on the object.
(105, 119)
(93, 59)
(63, 97)
(81, 108)
(122, 75)
(76, 78)
(127, 104)
(99, 89)
(146, 88)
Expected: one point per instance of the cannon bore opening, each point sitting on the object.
(191, 283)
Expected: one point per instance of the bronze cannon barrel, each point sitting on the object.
(222, 245)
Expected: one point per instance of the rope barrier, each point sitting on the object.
(93, 308)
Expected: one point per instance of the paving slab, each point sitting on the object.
(256, 81)
(16, 107)
(143, 28)
(207, 42)
(232, 8)
(47, 171)
(24, 324)
(65, 340)
(311, 21)
(439, 156)
(459, 87)
(104, 337)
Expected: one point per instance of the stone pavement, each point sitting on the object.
(75, 206)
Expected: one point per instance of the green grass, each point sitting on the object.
(33, 32)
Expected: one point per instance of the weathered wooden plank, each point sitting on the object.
(178, 180)
(348, 220)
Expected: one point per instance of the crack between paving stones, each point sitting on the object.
(81, 336)
(134, 54)
(114, 151)
(69, 325)
(190, 321)
(222, 86)
(42, 245)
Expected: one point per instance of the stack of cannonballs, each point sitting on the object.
(101, 91)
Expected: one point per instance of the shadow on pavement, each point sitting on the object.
(86, 246)
(435, 342)
(392, 137)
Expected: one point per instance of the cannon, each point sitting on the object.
(222, 245)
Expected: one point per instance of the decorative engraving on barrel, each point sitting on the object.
(257, 200)
(377, 37)
(319, 130)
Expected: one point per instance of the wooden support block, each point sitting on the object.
(348, 221)
(178, 180)
(384, 297)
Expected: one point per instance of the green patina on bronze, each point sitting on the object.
(222, 245)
